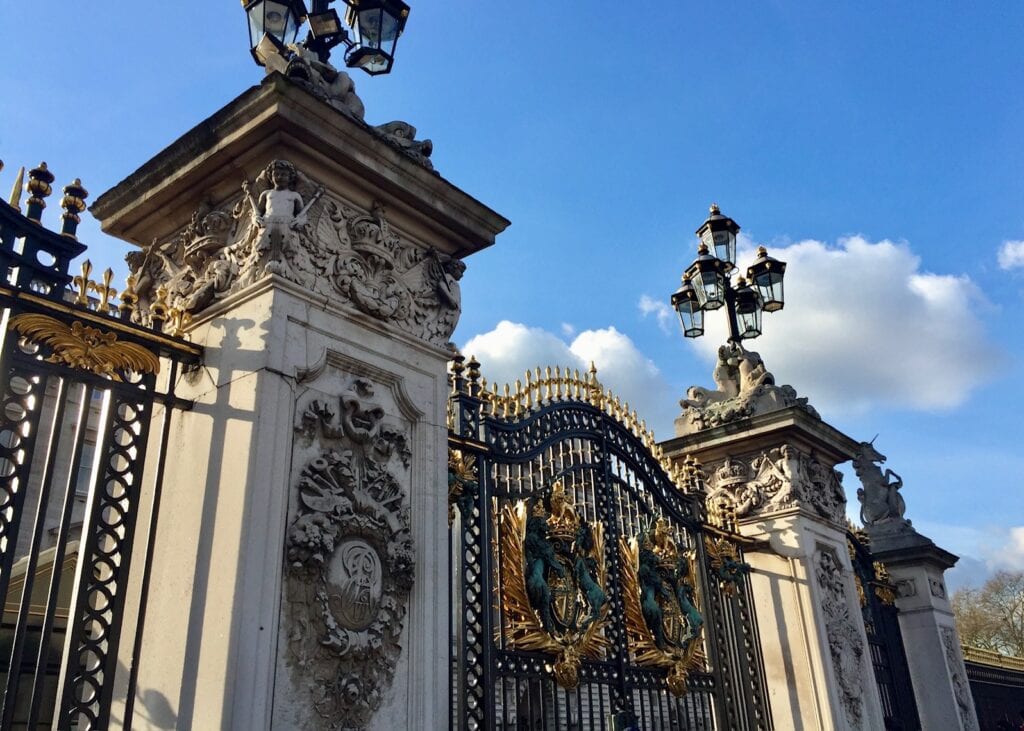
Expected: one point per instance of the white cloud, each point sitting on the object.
(507, 351)
(568, 329)
(661, 311)
(864, 327)
(982, 551)
(1011, 255)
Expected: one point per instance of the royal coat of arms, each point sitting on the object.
(554, 578)
(659, 595)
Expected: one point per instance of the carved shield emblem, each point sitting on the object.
(355, 584)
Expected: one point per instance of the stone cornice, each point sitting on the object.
(220, 151)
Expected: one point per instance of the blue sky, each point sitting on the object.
(884, 137)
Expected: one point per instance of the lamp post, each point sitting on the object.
(708, 284)
(376, 24)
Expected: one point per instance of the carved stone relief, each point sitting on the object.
(744, 388)
(844, 641)
(906, 588)
(285, 223)
(777, 479)
(336, 87)
(958, 676)
(350, 558)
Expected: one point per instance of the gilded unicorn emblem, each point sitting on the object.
(554, 577)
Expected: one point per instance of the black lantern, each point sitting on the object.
(767, 273)
(719, 232)
(708, 279)
(273, 25)
(691, 316)
(377, 25)
(748, 310)
(326, 27)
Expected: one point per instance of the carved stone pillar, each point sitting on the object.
(769, 459)
(300, 560)
(932, 644)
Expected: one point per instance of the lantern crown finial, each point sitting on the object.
(714, 209)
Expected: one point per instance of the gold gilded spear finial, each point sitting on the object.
(19, 184)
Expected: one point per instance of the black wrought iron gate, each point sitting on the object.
(590, 589)
(86, 398)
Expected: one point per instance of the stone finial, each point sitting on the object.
(39, 180)
(73, 204)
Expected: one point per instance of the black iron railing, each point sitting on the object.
(556, 487)
(82, 387)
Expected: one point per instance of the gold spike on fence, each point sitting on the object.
(541, 387)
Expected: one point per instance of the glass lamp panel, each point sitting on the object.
(750, 323)
(725, 246)
(693, 323)
(370, 26)
(769, 285)
(709, 288)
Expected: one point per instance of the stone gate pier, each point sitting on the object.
(299, 567)
(849, 619)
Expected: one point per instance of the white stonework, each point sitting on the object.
(319, 263)
(930, 639)
(769, 461)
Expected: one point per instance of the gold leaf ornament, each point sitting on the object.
(679, 661)
(85, 347)
(523, 627)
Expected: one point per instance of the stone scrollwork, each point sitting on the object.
(846, 646)
(777, 479)
(554, 592)
(350, 559)
(958, 676)
(744, 388)
(284, 223)
(659, 597)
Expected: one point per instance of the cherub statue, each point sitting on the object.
(278, 215)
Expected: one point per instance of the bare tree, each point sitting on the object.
(992, 617)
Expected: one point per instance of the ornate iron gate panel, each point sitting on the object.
(81, 388)
(589, 588)
(885, 641)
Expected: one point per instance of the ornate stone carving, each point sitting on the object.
(319, 78)
(880, 501)
(336, 88)
(350, 559)
(744, 388)
(958, 676)
(845, 644)
(906, 588)
(777, 479)
(285, 224)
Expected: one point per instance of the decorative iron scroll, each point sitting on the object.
(726, 563)
(351, 559)
(584, 588)
(662, 620)
(554, 572)
(81, 346)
